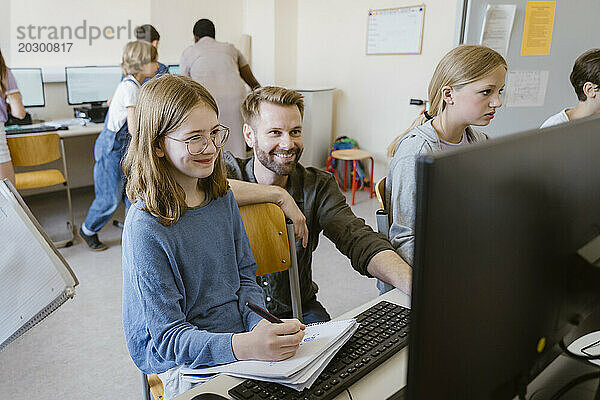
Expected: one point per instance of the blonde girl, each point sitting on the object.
(188, 270)
(465, 90)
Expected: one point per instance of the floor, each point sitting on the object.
(79, 352)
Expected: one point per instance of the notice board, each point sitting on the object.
(395, 30)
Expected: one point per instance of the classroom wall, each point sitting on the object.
(371, 103)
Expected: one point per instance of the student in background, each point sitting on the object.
(149, 33)
(8, 91)
(188, 270)
(585, 79)
(138, 64)
(465, 90)
(222, 69)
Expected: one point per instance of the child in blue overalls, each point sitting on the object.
(138, 64)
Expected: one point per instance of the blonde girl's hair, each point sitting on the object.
(3, 76)
(163, 104)
(136, 54)
(460, 66)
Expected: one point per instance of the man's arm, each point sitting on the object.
(252, 193)
(248, 77)
(389, 267)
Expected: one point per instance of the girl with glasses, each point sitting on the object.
(188, 270)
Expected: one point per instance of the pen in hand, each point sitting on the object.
(263, 313)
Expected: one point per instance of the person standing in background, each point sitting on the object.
(221, 69)
(8, 91)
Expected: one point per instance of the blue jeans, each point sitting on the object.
(109, 179)
(383, 287)
(313, 311)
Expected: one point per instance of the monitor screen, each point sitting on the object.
(174, 69)
(498, 281)
(29, 81)
(91, 84)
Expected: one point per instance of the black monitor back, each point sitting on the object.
(496, 280)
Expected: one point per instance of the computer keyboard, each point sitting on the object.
(21, 129)
(383, 332)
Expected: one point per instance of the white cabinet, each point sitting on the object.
(316, 126)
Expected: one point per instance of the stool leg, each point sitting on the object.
(372, 168)
(353, 180)
(345, 173)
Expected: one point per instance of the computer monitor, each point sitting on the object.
(92, 85)
(174, 69)
(29, 81)
(497, 281)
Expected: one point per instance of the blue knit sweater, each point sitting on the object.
(185, 286)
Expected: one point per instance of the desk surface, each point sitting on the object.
(73, 131)
(381, 383)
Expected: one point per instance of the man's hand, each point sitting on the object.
(251, 193)
(291, 210)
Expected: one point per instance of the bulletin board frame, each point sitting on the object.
(419, 36)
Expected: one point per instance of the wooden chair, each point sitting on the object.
(353, 155)
(383, 225)
(273, 245)
(40, 149)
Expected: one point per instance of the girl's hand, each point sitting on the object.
(268, 341)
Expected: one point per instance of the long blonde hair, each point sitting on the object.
(163, 105)
(460, 66)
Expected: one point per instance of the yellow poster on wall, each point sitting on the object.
(539, 23)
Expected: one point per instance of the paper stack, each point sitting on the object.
(321, 342)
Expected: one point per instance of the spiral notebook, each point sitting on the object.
(320, 343)
(35, 279)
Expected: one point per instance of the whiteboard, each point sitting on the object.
(395, 30)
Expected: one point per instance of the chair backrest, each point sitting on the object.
(267, 233)
(382, 215)
(38, 149)
(273, 245)
(380, 192)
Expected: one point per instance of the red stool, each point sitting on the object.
(353, 155)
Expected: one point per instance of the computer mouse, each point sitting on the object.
(209, 396)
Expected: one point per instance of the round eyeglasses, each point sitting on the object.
(197, 144)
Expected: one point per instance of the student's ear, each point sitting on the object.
(591, 90)
(154, 43)
(447, 93)
(158, 150)
(248, 135)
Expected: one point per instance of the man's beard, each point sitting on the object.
(272, 163)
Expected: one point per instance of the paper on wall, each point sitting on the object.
(526, 88)
(537, 31)
(497, 27)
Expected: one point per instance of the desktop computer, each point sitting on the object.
(174, 69)
(30, 84)
(498, 278)
(89, 87)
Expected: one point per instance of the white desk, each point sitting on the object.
(380, 383)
